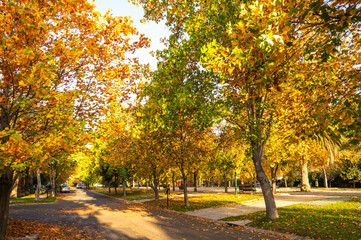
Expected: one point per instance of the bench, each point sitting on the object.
(247, 188)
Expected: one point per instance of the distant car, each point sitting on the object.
(43, 187)
(64, 188)
(80, 186)
(98, 185)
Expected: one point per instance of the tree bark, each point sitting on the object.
(305, 183)
(274, 177)
(53, 179)
(271, 209)
(325, 176)
(185, 192)
(155, 185)
(14, 189)
(6, 184)
(52, 184)
(285, 179)
(124, 189)
(195, 181)
(38, 187)
(225, 183)
(173, 182)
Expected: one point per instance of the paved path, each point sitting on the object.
(282, 200)
(124, 220)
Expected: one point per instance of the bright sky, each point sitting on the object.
(150, 29)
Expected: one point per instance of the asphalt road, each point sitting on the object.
(118, 219)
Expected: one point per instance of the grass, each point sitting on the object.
(31, 199)
(203, 201)
(133, 194)
(341, 220)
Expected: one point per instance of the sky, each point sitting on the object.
(151, 30)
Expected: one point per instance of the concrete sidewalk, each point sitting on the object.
(282, 200)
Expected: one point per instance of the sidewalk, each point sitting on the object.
(282, 200)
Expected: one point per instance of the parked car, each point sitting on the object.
(64, 188)
(43, 187)
(80, 186)
(98, 185)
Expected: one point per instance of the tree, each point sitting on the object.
(56, 56)
(149, 155)
(179, 103)
(260, 50)
(350, 169)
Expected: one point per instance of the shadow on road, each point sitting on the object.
(118, 219)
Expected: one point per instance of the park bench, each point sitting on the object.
(247, 188)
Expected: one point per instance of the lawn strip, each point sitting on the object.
(31, 199)
(203, 201)
(133, 194)
(341, 220)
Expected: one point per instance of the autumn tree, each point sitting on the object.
(180, 103)
(149, 151)
(262, 49)
(350, 167)
(234, 42)
(55, 55)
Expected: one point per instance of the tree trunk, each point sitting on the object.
(19, 191)
(14, 189)
(185, 192)
(271, 209)
(305, 183)
(38, 187)
(353, 184)
(285, 179)
(325, 176)
(115, 189)
(52, 183)
(31, 183)
(225, 183)
(195, 181)
(109, 190)
(124, 189)
(232, 182)
(155, 185)
(6, 184)
(173, 182)
(274, 177)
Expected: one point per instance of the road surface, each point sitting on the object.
(118, 219)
